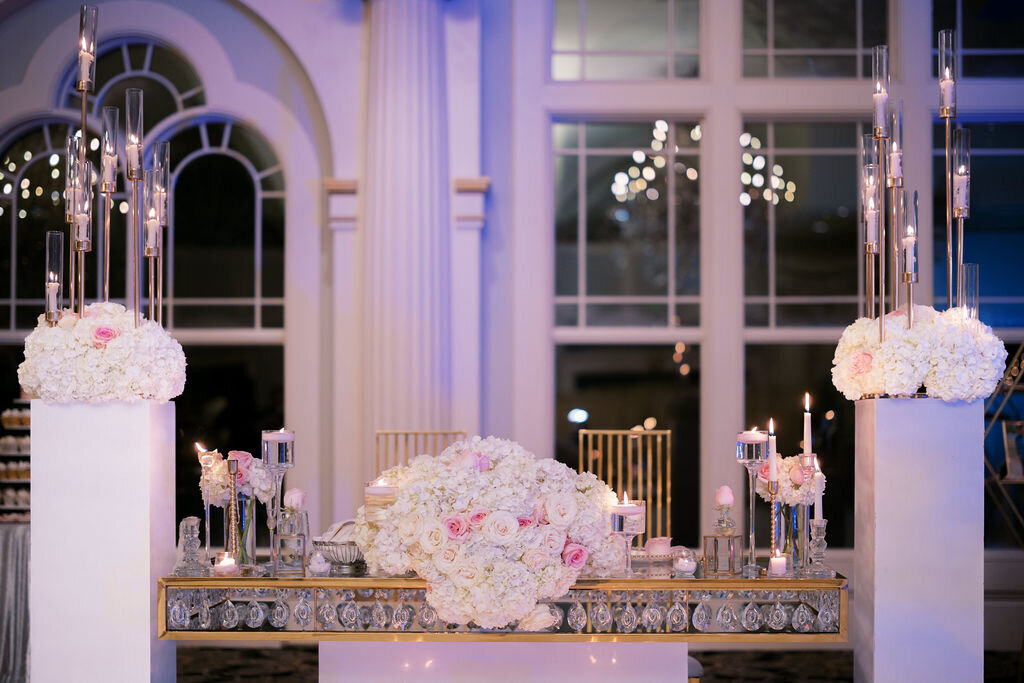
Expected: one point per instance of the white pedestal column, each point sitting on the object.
(102, 532)
(919, 546)
(532, 662)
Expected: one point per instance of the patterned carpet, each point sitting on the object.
(212, 665)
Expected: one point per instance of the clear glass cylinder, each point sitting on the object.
(278, 450)
(54, 280)
(895, 170)
(871, 183)
(751, 446)
(961, 173)
(908, 234)
(133, 133)
(87, 47)
(151, 223)
(108, 150)
(161, 178)
(72, 184)
(880, 72)
(83, 207)
(948, 57)
(969, 283)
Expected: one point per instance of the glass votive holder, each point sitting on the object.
(685, 563)
(720, 555)
(278, 450)
(751, 446)
(226, 565)
(780, 566)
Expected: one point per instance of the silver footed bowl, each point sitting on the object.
(339, 552)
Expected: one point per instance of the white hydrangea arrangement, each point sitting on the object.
(100, 357)
(792, 489)
(954, 357)
(253, 478)
(492, 529)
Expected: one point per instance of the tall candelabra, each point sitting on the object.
(947, 112)
(871, 182)
(894, 182)
(880, 131)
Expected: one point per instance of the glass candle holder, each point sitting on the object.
(54, 281)
(152, 224)
(87, 48)
(72, 182)
(278, 454)
(751, 451)
(133, 133)
(970, 281)
(961, 173)
(378, 495)
(908, 234)
(161, 179)
(871, 187)
(83, 207)
(629, 520)
(948, 57)
(880, 98)
(894, 177)
(108, 150)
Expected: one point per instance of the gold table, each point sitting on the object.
(394, 609)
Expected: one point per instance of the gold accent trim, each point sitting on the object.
(474, 184)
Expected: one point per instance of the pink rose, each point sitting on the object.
(536, 559)
(574, 556)
(457, 527)
(294, 498)
(483, 463)
(723, 497)
(477, 517)
(525, 522)
(103, 334)
(796, 475)
(244, 459)
(762, 471)
(540, 514)
(861, 363)
(468, 458)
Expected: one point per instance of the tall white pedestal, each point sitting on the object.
(524, 662)
(919, 547)
(102, 532)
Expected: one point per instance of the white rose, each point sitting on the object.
(409, 529)
(553, 540)
(433, 536)
(446, 560)
(466, 572)
(560, 509)
(536, 559)
(500, 527)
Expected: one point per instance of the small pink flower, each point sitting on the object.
(574, 556)
(483, 463)
(477, 517)
(762, 471)
(244, 459)
(796, 475)
(861, 363)
(103, 334)
(723, 497)
(457, 527)
(294, 498)
(526, 521)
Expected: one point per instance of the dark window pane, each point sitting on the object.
(565, 135)
(755, 24)
(5, 252)
(184, 142)
(687, 315)
(815, 315)
(174, 68)
(756, 315)
(214, 316)
(627, 26)
(815, 23)
(273, 316)
(109, 64)
(943, 16)
(815, 66)
(44, 210)
(626, 315)
(232, 392)
(993, 24)
(688, 134)
(273, 247)
(687, 16)
(816, 233)
(755, 246)
(566, 224)
(27, 317)
(566, 33)
(253, 147)
(137, 56)
(273, 182)
(215, 133)
(618, 135)
(875, 14)
(622, 67)
(626, 240)
(993, 66)
(214, 216)
(755, 66)
(777, 375)
(566, 315)
(687, 226)
(687, 66)
(816, 135)
(622, 386)
(158, 102)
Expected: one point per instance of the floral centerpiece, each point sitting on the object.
(955, 357)
(492, 529)
(100, 357)
(253, 481)
(793, 489)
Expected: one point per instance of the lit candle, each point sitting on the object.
(281, 436)
(627, 508)
(109, 168)
(807, 423)
(960, 180)
(777, 565)
(51, 293)
(773, 461)
(225, 565)
(946, 90)
(81, 227)
(895, 162)
(152, 229)
(685, 564)
(872, 221)
(161, 205)
(133, 151)
(881, 99)
(752, 436)
(819, 488)
(909, 251)
(206, 458)
(85, 61)
(381, 487)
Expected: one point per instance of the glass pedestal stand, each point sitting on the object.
(817, 569)
(750, 568)
(629, 526)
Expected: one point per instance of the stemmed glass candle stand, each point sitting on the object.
(206, 460)
(750, 452)
(279, 456)
(629, 519)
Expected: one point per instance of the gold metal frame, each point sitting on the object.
(396, 447)
(839, 583)
(647, 475)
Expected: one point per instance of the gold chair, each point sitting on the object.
(638, 462)
(396, 447)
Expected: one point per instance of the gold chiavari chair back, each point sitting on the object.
(635, 462)
(398, 447)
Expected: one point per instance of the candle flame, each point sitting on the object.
(910, 231)
(871, 204)
(878, 87)
(625, 498)
(817, 467)
(777, 553)
(947, 74)
(807, 402)
(754, 428)
(771, 426)
(962, 171)
(200, 448)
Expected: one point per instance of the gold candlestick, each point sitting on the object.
(773, 490)
(233, 509)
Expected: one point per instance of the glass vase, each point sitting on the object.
(798, 542)
(783, 535)
(291, 538)
(246, 529)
